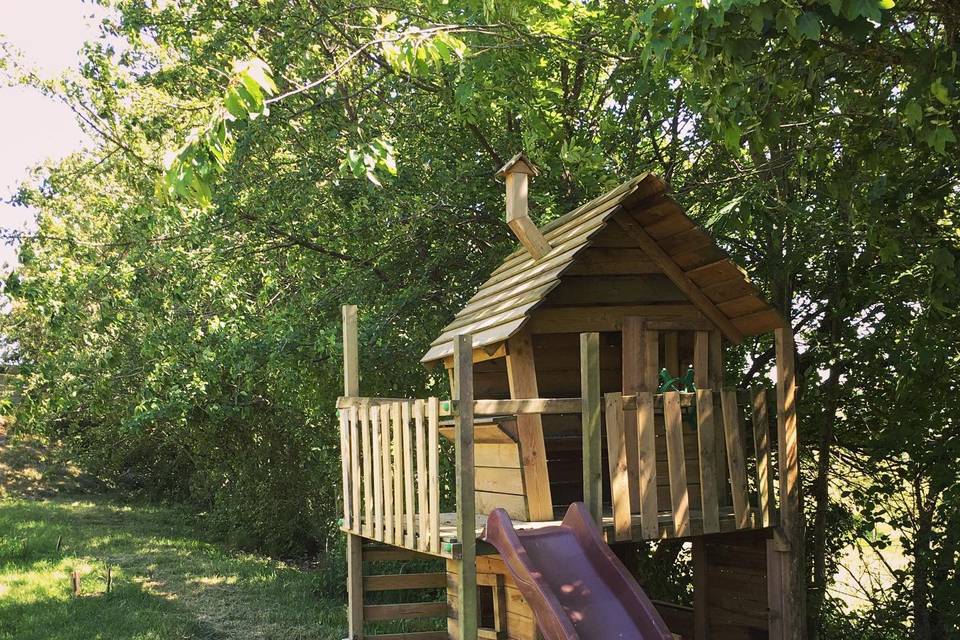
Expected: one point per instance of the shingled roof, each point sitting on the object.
(687, 254)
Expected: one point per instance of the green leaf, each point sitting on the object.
(759, 17)
(463, 92)
(787, 20)
(234, 105)
(913, 114)
(259, 71)
(939, 137)
(731, 136)
(808, 26)
(869, 9)
(940, 92)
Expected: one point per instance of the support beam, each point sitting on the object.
(355, 586)
(590, 422)
(787, 436)
(480, 354)
(522, 377)
(351, 387)
(791, 518)
(466, 498)
(701, 605)
(351, 357)
(675, 273)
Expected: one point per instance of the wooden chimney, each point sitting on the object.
(516, 174)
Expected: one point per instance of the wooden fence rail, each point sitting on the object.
(390, 471)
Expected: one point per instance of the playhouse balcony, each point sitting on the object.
(672, 465)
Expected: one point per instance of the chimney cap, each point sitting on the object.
(519, 163)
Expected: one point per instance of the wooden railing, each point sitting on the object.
(390, 462)
(720, 469)
(389, 454)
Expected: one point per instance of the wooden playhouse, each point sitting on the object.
(588, 367)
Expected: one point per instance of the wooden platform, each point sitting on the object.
(449, 547)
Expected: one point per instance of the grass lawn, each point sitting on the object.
(168, 581)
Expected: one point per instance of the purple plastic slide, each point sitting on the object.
(574, 583)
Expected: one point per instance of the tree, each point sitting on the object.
(178, 320)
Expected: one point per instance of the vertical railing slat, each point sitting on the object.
(386, 426)
(676, 464)
(735, 457)
(423, 507)
(408, 493)
(590, 423)
(706, 434)
(355, 469)
(433, 448)
(397, 419)
(707, 442)
(617, 462)
(720, 448)
(377, 473)
(367, 471)
(647, 454)
(761, 441)
(345, 464)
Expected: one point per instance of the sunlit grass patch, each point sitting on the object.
(167, 581)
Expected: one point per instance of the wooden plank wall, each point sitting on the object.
(735, 581)
(390, 472)
(499, 476)
(406, 587)
(515, 619)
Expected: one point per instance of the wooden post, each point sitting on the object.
(351, 387)
(522, 377)
(590, 422)
(466, 499)
(351, 358)
(791, 522)
(701, 605)
(787, 432)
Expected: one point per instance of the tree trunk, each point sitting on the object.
(821, 494)
(836, 314)
(921, 564)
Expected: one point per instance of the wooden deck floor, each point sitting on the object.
(449, 547)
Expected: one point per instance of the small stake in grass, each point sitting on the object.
(59, 543)
(75, 577)
(109, 579)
